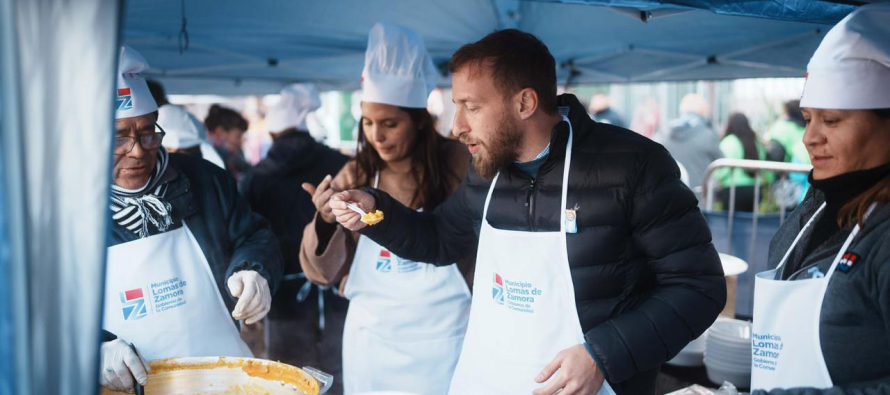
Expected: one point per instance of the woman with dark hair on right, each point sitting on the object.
(822, 317)
(739, 142)
(226, 127)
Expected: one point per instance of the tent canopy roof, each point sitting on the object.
(255, 47)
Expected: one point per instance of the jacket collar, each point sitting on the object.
(179, 191)
(569, 106)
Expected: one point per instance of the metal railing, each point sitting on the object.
(757, 167)
(749, 233)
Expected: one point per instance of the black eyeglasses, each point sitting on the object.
(125, 144)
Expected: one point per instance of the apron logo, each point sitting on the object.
(847, 261)
(168, 294)
(406, 265)
(516, 295)
(124, 99)
(133, 302)
(385, 263)
(766, 349)
(497, 290)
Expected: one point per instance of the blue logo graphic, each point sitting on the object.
(133, 303)
(497, 289)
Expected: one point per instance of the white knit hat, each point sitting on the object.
(133, 96)
(398, 69)
(297, 101)
(851, 68)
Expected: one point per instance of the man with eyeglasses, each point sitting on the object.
(186, 256)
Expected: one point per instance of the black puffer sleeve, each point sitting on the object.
(689, 291)
(442, 236)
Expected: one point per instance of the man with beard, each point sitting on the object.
(568, 215)
(186, 256)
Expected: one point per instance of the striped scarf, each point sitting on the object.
(144, 212)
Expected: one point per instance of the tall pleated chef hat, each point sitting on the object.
(297, 101)
(851, 68)
(398, 69)
(133, 96)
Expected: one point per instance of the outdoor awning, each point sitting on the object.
(232, 47)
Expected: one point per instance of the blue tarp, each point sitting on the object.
(257, 46)
(786, 10)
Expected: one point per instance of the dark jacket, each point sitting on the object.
(647, 278)
(273, 188)
(232, 237)
(854, 325)
(693, 143)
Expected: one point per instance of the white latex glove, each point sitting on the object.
(254, 296)
(119, 365)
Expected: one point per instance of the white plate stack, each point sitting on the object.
(728, 352)
(691, 355)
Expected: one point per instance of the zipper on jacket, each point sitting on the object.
(530, 202)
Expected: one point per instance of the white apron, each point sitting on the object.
(785, 343)
(523, 310)
(405, 324)
(161, 296)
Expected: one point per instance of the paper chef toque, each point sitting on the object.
(182, 128)
(398, 69)
(297, 101)
(851, 68)
(133, 96)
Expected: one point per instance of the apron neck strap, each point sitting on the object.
(377, 180)
(565, 182)
(840, 253)
(843, 250)
(488, 197)
(565, 177)
(799, 235)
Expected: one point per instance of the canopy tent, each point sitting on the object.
(235, 47)
(57, 61)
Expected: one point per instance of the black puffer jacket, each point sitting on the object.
(647, 278)
(274, 190)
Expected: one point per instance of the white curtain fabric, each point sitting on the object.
(58, 61)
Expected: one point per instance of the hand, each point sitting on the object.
(320, 197)
(120, 364)
(578, 373)
(254, 297)
(347, 218)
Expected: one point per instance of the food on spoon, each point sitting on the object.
(373, 218)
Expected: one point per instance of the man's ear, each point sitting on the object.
(526, 103)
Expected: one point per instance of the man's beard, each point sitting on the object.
(500, 151)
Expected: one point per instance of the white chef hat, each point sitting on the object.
(398, 69)
(133, 96)
(182, 128)
(851, 68)
(297, 101)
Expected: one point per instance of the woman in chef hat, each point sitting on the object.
(406, 320)
(822, 317)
